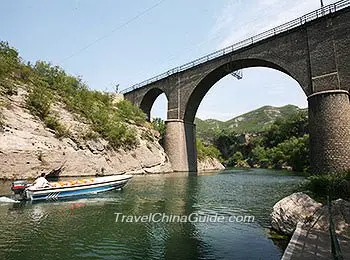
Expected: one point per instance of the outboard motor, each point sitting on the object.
(18, 187)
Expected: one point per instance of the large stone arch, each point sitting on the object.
(210, 79)
(148, 100)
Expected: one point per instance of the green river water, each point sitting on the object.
(89, 229)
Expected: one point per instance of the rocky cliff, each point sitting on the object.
(28, 148)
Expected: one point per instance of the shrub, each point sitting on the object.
(39, 101)
(9, 62)
(333, 185)
(9, 88)
(130, 113)
(204, 151)
(159, 125)
(119, 135)
(53, 123)
(90, 135)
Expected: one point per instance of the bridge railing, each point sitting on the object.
(335, 247)
(239, 45)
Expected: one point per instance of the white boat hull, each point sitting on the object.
(98, 185)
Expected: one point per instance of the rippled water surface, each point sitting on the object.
(87, 228)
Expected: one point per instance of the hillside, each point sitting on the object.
(251, 122)
(50, 119)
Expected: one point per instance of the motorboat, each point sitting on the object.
(68, 189)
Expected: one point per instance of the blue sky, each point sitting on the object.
(125, 42)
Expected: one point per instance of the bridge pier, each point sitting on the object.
(329, 126)
(180, 145)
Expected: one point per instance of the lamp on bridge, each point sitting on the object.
(238, 74)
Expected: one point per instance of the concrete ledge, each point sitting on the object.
(288, 253)
(174, 120)
(179, 120)
(334, 91)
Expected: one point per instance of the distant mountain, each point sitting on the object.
(251, 122)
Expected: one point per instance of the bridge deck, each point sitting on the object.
(326, 10)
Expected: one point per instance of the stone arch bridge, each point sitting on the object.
(313, 49)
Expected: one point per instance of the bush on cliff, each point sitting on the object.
(39, 100)
(53, 123)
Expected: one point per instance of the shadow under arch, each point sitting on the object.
(149, 99)
(214, 76)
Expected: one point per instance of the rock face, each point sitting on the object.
(295, 208)
(299, 207)
(340, 214)
(209, 164)
(28, 148)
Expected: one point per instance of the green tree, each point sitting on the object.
(259, 156)
(159, 125)
(284, 128)
(225, 142)
(205, 151)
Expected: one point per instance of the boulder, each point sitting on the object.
(209, 164)
(340, 214)
(295, 208)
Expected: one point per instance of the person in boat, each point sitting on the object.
(41, 182)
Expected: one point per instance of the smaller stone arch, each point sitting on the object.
(148, 100)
